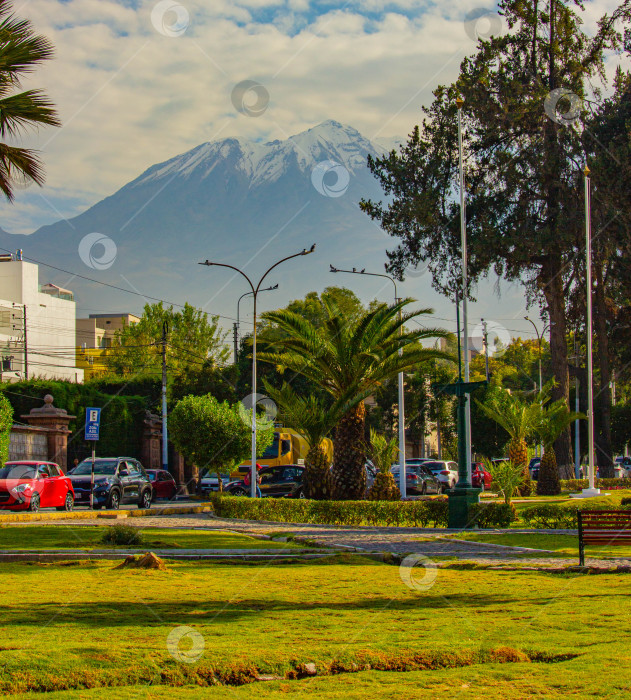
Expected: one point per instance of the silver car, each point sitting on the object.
(445, 471)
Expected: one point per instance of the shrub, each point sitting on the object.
(489, 515)
(420, 513)
(578, 484)
(560, 517)
(122, 535)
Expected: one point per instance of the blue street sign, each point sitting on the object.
(92, 423)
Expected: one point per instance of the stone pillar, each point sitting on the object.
(151, 455)
(56, 421)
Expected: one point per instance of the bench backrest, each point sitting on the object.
(611, 527)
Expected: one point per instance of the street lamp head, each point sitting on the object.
(275, 286)
(333, 269)
(362, 271)
(586, 171)
(306, 252)
(459, 102)
(206, 262)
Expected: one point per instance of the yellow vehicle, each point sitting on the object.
(288, 447)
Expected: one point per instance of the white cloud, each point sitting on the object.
(130, 97)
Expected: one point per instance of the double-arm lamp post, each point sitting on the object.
(255, 291)
(402, 474)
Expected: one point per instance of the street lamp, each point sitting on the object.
(236, 326)
(465, 285)
(255, 291)
(539, 339)
(402, 474)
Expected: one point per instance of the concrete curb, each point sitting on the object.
(11, 517)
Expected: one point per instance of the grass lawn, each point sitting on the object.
(89, 624)
(564, 545)
(89, 537)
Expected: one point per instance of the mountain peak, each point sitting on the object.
(266, 162)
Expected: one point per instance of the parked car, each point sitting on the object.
(418, 479)
(371, 473)
(284, 481)
(208, 482)
(117, 480)
(163, 483)
(534, 467)
(480, 476)
(31, 485)
(445, 471)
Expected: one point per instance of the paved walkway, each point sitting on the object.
(429, 542)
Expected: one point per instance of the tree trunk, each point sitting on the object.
(602, 404)
(548, 482)
(317, 481)
(552, 286)
(349, 474)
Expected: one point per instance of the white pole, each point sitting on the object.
(592, 490)
(402, 469)
(463, 240)
(253, 462)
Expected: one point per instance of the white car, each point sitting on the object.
(446, 472)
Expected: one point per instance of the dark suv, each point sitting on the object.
(284, 481)
(116, 480)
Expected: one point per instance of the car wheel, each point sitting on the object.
(33, 506)
(68, 503)
(113, 501)
(145, 500)
(96, 507)
(301, 493)
(482, 486)
(238, 492)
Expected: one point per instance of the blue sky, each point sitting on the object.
(139, 81)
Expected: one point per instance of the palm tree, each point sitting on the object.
(383, 453)
(351, 357)
(518, 418)
(553, 420)
(21, 50)
(314, 419)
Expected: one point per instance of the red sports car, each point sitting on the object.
(31, 485)
(480, 476)
(163, 483)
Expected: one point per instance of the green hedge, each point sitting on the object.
(121, 419)
(421, 513)
(578, 484)
(491, 515)
(562, 517)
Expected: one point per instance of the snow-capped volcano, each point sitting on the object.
(264, 163)
(233, 200)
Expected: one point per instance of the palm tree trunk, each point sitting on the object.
(548, 483)
(349, 475)
(317, 480)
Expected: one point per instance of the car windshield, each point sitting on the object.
(107, 467)
(271, 452)
(17, 471)
(434, 465)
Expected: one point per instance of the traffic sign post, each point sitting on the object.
(92, 429)
(463, 495)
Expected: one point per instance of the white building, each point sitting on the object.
(37, 325)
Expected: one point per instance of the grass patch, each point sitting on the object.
(562, 545)
(110, 628)
(91, 537)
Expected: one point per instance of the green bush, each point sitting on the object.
(560, 517)
(6, 422)
(578, 484)
(122, 535)
(420, 513)
(491, 515)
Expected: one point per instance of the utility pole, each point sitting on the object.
(165, 436)
(577, 425)
(235, 332)
(486, 349)
(25, 346)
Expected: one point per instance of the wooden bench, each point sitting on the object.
(603, 527)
